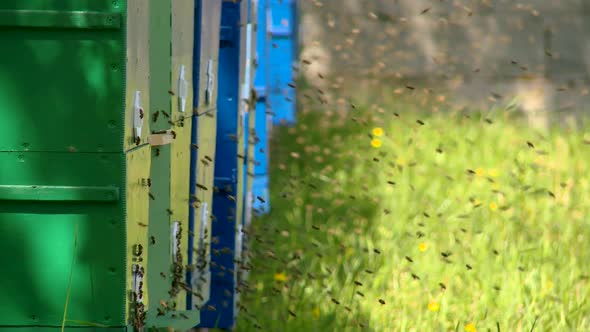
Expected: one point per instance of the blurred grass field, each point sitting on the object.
(388, 218)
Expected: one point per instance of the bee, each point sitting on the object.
(468, 267)
(381, 301)
(420, 122)
(137, 250)
(292, 313)
(170, 92)
(442, 286)
(409, 259)
(415, 277)
(152, 196)
(142, 224)
(531, 145)
(157, 152)
(377, 251)
(335, 301)
(425, 11)
(165, 113)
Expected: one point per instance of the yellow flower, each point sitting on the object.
(470, 327)
(316, 312)
(480, 171)
(493, 172)
(281, 277)
(423, 246)
(493, 206)
(433, 306)
(376, 143)
(377, 132)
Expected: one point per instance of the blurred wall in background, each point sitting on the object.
(474, 52)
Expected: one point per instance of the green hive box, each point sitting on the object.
(94, 163)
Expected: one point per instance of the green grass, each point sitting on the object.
(344, 211)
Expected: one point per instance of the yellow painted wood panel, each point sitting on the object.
(137, 214)
(182, 57)
(210, 28)
(137, 69)
(206, 138)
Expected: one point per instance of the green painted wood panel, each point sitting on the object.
(62, 78)
(58, 329)
(162, 273)
(42, 241)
